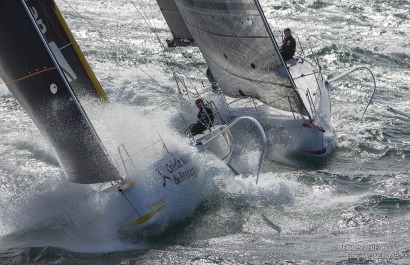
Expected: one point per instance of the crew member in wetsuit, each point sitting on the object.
(205, 118)
(288, 48)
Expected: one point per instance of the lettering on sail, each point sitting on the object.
(65, 66)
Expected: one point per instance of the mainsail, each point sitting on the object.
(241, 52)
(174, 19)
(65, 49)
(39, 65)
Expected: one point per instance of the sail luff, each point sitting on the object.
(66, 50)
(302, 107)
(90, 73)
(80, 54)
(238, 50)
(33, 75)
(93, 134)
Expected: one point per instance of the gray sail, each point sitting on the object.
(32, 72)
(174, 19)
(240, 51)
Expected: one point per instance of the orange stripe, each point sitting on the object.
(30, 75)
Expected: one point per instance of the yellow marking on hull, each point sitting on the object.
(148, 216)
(80, 54)
(27, 76)
(126, 185)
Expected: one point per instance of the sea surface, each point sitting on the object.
(352, 207)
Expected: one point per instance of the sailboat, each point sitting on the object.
(46, 71)
(180, 33)
(289, 98)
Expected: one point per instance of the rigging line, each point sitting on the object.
(130, 203)
(305, 75)
(105, 36)
(293, 33)
(146, 20)
(275, 45)
(152, 28)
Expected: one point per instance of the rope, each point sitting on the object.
(130, 203)
(105, 37)
(153, 31)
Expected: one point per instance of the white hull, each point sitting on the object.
(164, 192)
(286, 130)
(173, 187)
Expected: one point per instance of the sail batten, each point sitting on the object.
(241, 52)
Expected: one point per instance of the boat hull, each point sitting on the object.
(162, 193)
(286, 132)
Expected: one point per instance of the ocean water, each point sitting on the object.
(352, 207)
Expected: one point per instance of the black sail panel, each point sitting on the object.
(236, 45)
(174, 19)
(65, 49)
(31, 73)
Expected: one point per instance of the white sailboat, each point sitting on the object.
(44, 68)
(289, 98)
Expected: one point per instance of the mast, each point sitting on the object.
(241, 52)
(302, 108)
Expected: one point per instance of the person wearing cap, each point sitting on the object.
(288, 47)
(205, 118)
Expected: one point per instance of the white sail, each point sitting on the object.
(241, 52)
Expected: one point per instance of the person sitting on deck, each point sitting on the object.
(205, 118)
(288, 48)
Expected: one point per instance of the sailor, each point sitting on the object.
(288, 47)
(205, 118)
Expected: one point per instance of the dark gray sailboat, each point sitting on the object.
(45, 70)
(40, 64)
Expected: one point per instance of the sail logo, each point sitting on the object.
(67, 70)
(64, 65)
(38, 20)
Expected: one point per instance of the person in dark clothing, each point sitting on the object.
(205, 118)
(288, 47)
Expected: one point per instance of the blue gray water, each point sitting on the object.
(350, 208)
